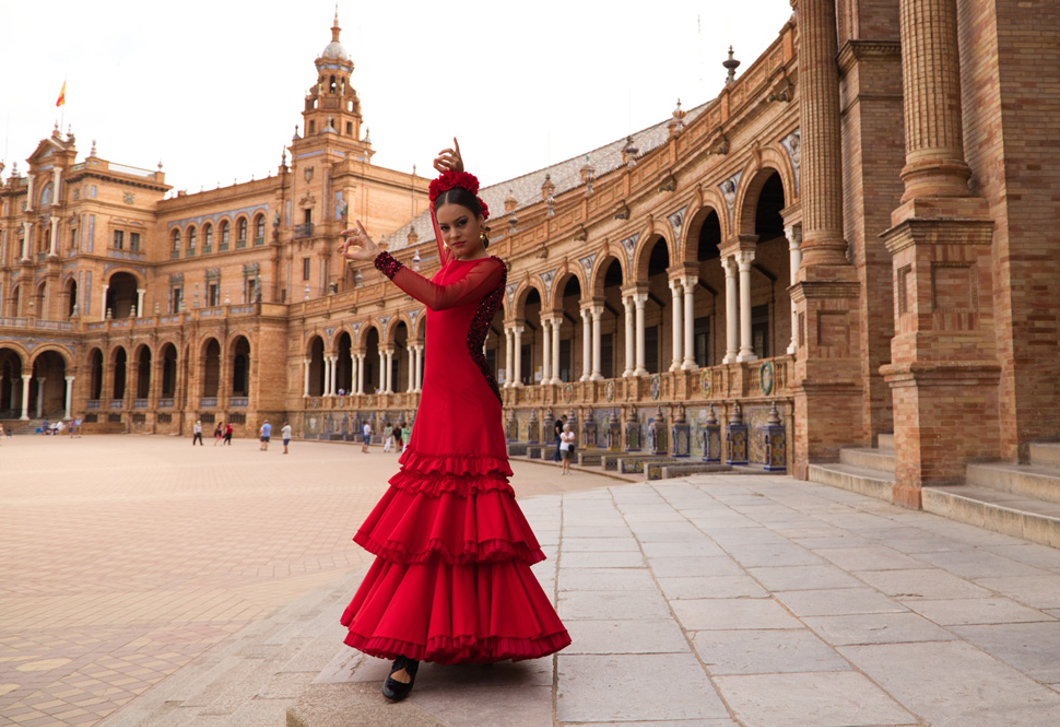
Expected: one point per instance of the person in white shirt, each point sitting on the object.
(285, 434)
(566, 444)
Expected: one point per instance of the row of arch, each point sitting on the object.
(121, 299)
(678, 273)
(184, 241)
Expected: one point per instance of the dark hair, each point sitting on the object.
(460, 196)
(464, 198)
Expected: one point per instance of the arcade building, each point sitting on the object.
(844, 266)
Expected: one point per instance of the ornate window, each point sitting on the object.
(192, 234)
(259, 230)
(224, 236)
(207, 238)
(174, 252)
(241, 237)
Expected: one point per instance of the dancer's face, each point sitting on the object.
(461, 231)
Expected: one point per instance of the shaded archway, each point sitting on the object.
(10, 383)
(572, 334)
(169, 371)
(400, 371)
(770, 301)
(709, 326)
(371, 361)
(95, 368)
(211, 368)
(316, 366)
(70, 304)
(658, 310)
(532, 354)
(48, 390)
(120, 362)
(612, 323)
(143, 373)
(240, 367)
(121, 295)
(344, 375)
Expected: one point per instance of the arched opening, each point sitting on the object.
(259, 229)
(143, 374)
(371, 361)
(709, 339)
(241, 367)
(193, 239)
(16, 301)
(400, 371)
(532, 354)
(40, 301)
(10, 384)
(71, 299)
(344, 375)
(95, 368)
(241, 234)
(121, 363)
(211, 369)
(48, 390)
(658, 310)
(121, 295)
(207, 238)
(225, 234)
(572, 335)
(174, 245)
(316, 366)
(169, 371)
(612, 323)
(770, 300)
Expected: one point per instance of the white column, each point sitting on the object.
(382, 372)
(731, 320)
(598, 313)
(103, 303)
(389, 372)
(353, 373)
(639, 300)
(518, 331)
(546, 354)
(411, 352)
(25, 393)
(419, 367)
(794, 234)
(509, 357)
(69, 395)
(675, 329)
(40, 396)
(744, 260)
(557, 323)
(334, 375)
(587, 344)
(627, 303)
(305, 366)
(690, 323)
(140, 302)
(54, 242)
(27, 239)
(360, 372)
(30, 199)
(327, 376)
(57, 180)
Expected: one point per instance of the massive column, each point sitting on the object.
(731, 310)
(509, 357)
(103, 301)
(360, 372)
(410, 350)
(557, 323)
(140, 302)
(945, 368)
(69, 395)
(627, 303)
(598, 314)
(689, 283)
(827, 380)
(743, 261)
(419, 367)
(675, 318)
(640, 299)
(25, 395)
(381, 388)
(518, 378)
(546, 355)
(53, 245)
(389, 371)
(587, 334)
(353, 373)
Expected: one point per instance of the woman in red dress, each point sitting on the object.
(451, 582)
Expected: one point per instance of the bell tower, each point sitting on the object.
(332, 114)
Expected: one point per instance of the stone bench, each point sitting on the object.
(683, 469)
(630, 462)
(517, 449)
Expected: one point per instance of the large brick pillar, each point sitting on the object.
(828, 407)
(944, 371)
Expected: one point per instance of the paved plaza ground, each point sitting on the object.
(146, 583)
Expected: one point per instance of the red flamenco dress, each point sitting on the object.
(451, 582)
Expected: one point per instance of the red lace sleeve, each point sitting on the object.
(480, 280)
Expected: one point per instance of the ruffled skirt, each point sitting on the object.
(451, 582)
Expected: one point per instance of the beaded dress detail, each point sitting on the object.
(451, 582)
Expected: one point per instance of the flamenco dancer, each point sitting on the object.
(451, 582)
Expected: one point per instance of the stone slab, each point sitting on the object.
(766, 651)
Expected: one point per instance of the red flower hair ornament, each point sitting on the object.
(449, 180)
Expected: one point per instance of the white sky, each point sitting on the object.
(214, 89)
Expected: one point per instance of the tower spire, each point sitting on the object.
(335, 29)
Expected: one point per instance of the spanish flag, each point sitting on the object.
(62, 96)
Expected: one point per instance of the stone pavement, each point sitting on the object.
(709, 601)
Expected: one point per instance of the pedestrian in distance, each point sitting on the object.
(558, 429)
(456, 588)
(285, 434)
(218, 433)
(266, 434)
(196, 433)
(366, 436)
(228, 433)
(566, 447)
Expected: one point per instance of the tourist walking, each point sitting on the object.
(388, 438)
(196, 433)
(558, 429)
(366, 436)
(266, 435)
(218, 433)
(228, 433)
(451, 582)
(285, 434)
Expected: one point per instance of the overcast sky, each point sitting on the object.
(215, 89)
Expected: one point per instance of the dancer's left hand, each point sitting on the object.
(358, 245)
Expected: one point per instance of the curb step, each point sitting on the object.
(864, 481)
(1004, 512)
(868, 458)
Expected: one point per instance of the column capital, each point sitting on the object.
(640, 299)
(676, 284)
(690, 282)
(728, 264)
(744, 259)
(598, 312)
(28, 377)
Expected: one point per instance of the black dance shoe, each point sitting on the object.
(394, 690)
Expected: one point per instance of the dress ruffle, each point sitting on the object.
(427, 463)
(483, 527)
(453, 614)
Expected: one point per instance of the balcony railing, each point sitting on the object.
(92, 404)
(238, 401)
(305, 230)
(165, 403)
(117, 404)
(208, 402)
(140, 403)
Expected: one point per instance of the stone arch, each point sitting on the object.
(710, 201)
(224, 233)
(361, 339)
(69, 291)
(242, 230)
(238, 358)
(68, 360)
(143, 368)
(646, 242)
(13, 359)
(210, 366)
(314, 354)
(119, 358)
(169, 353)
(40, 300)
(763, 165)
(47, 393)
(601, 266)
(560, 281)
(534, 283)
(96, 368)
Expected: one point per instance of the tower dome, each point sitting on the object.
(335, 50)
